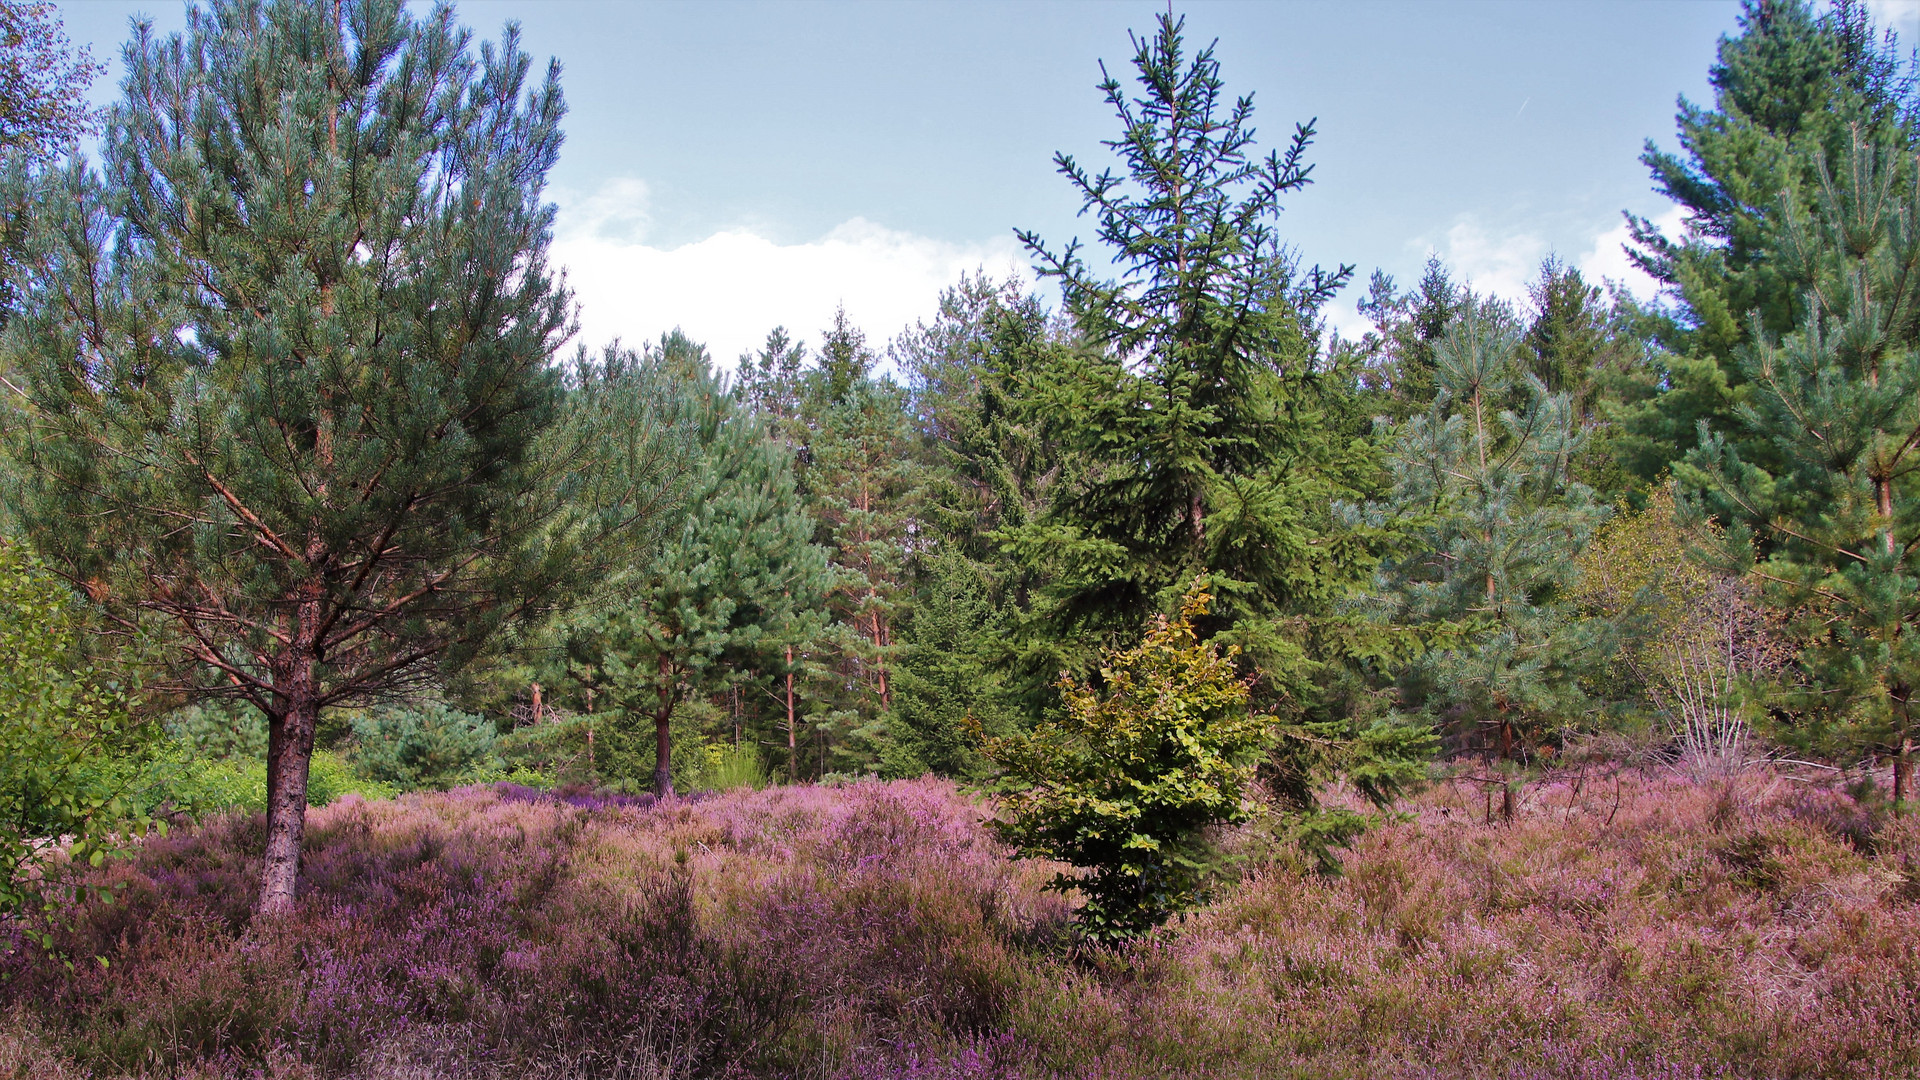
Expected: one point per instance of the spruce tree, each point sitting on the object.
(1397, 354)
(1209, 434)
(1214, 437)
(289, 388)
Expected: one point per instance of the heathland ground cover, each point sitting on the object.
(1625, 924)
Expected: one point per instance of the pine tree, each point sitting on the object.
(1835, 406)
(1497, 526)
(735, 586)
(860, 473)
(1788, 90)
(305, 417)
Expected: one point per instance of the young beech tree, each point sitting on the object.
(1494, 529)
(1835, 408)
(43, 82)
(1124, 784)
(1701, 647)
(730, 591)
(288, 370)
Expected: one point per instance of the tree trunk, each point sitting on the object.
(289, 752)
(879, 656)
(1506, 754)
(793, 744)
(662, 735)
(290, 734)
(1902, 776)
(662, 759)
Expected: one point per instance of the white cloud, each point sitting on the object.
(1504, 262)
(1500, 263)
(729, 289)
(1607, 259)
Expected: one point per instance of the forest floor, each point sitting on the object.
(1632, 925)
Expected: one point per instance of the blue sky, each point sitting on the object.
(733, 165)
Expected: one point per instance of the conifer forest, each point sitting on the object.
(1121, 673)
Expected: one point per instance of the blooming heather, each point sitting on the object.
(1626, 928)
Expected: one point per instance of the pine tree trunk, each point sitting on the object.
(662, 735)
(879, 657)
(1902, 776)
(289, 752)
(793, 745)
(1506, 754)
(290, 735)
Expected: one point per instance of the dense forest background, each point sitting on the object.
(299, 471)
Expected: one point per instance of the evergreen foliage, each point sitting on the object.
(737, 583)
(424, 745)
(1834, 412)
(1789, 91)
(1212, 438)
(305, 416)
(1496, 527)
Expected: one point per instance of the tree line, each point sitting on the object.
(289, 411)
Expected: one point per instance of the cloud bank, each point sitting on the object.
(728, 289)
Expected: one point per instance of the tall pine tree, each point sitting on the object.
(1829, 504)
(288, 360)
(737, 583)
(1496, 525)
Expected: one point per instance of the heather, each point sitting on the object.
(1633, 925)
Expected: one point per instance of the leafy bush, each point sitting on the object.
(425, 745)
(198, 786)
(1124, 785)
(73, 758)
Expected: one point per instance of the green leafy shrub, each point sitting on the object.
(1123, 786)
(428, 745)
(201, 786)
(73, 758)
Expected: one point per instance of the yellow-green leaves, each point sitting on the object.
(1160, 747)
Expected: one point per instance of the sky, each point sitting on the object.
(732, 165)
